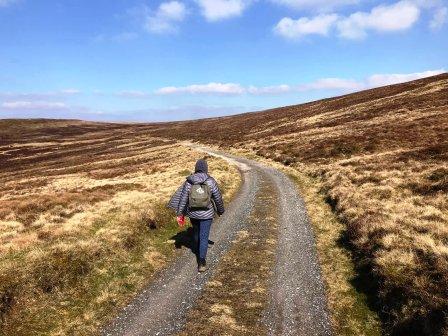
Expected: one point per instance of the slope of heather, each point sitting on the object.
(382, 158)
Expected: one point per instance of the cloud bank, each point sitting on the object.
(215, 88)
(26, 105)
(396, 17)
(60, 94)
(327, 84)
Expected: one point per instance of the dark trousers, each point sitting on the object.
(201, 231)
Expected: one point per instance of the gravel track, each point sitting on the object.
(297, 299)
(298, 303)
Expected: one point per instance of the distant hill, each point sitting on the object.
(410, 116)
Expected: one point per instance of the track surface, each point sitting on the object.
(297, 298)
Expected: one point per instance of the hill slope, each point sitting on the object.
(403, 116)
(382, 158)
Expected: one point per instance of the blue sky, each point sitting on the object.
(181, 59)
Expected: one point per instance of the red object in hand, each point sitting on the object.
(181, 220)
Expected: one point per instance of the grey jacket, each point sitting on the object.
(179, 201)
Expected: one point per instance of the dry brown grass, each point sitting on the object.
(396, 219)
(381, 156)
(83, 222)
(352, 313)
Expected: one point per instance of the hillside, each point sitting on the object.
(403, 116)
(381, 157)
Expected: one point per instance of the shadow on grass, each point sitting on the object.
(185, 238)
(365, 282)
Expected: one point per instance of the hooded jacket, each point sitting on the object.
(179, 201)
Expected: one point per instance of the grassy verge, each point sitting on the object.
(351, 314)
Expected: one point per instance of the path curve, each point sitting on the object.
(297, 300)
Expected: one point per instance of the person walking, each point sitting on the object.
(199, 198)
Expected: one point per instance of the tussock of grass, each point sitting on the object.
(399, 233)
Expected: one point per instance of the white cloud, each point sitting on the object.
(275, 89)
(437, 9)
(376, 80)
(172, 10)
(323, 84)
(439, 18)
(33, 105)
(427, 4)
(388, 79)
(165, 18)
(396, 17)
(294, 29)
(384, 18)
(210, 88)
(215, 10)
(316, 5)
(224, 89)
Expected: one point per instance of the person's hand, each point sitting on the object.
(181, 220)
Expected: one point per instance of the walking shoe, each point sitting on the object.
(202, 267)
